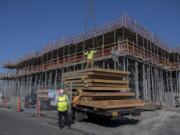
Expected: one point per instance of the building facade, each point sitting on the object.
(122, 45)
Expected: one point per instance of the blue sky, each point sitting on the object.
(28, 25)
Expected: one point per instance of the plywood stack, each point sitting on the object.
(101, 88)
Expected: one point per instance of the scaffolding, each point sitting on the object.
(154, 67)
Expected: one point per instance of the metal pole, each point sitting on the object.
(144, 83)
(70, 105)
(136, 80)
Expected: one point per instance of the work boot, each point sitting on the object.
(69, 125)
(61, 126)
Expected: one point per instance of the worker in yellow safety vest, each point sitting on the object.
(62, 107)
(90, 57)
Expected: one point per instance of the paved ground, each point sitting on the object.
(12, 123)
(160, 122)
(150, 123)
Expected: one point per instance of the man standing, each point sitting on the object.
(90, 57)
(62, 107)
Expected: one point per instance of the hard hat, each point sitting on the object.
(61, 91)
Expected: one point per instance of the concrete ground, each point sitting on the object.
(12, 123)
(149, 123)
(160, 122)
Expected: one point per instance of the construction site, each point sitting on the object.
(154, 67)
(133, 80)
(111, 79)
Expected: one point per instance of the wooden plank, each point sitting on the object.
(86, 85)
(106, 70)
(102, 88)
(72, 73)
(76, 77)
(97, 94)
(99, 71)
(76, 85)
(106, 81)
(90, 74)
(111, 104)
(74, 81)
(95, 70)
(106, 88)
(106, 85)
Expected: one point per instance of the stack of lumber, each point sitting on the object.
(101, 88)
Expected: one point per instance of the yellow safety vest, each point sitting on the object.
(90, 54)
(62, 103)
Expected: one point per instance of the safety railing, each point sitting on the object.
(124, 48)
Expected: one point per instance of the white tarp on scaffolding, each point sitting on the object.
(52, 95)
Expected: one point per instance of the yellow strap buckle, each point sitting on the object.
(114, 113)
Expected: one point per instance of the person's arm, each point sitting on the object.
(86, 53)
(94, 51)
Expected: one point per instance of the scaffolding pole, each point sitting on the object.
(136, 80)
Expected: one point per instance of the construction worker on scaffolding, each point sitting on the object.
(90, 57)
(62, 107)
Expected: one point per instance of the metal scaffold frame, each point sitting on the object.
(125, 21)
(154, 67)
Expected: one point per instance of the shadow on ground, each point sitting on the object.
(112, 123)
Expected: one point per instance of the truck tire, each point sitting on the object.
(79, 116)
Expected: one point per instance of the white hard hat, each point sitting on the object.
(61, 91)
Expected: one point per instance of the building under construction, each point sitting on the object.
(122, 44)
